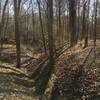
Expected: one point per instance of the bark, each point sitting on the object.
(46, 74)
(72, 22)
(41, 24)
(78, 19)
(2, 20)
(7, 21)
(59, 19)
(95, 23)
(87, 26)
(0, 7)
(17, 34)
(33, 23)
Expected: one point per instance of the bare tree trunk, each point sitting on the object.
(41, 24)
(78, 19)
(46, 74)
(87, 26)
(67, 21)
(92, 27)
(59, 19)
(7, 20)
(50, 32)
(0, 7)
(17, 34)
(33, 27)
(83, 21)
(95, 23)
(72, 22)
(2, 20)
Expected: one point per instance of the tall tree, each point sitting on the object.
(59, 19)
(17, 34)
(46, 74)
(33, 23)
(87, 25)
(41, 24)
(95, 22)
(78, 18)
(72, 21)
(2, 19)
(50, 32)
(0, 7)
(83, 20)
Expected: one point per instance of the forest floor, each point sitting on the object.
(77, 74)
(15, 84)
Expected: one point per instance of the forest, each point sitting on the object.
(49, 49)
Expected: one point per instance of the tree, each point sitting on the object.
(72, 21)
(2, 19)
(46, 74)
(83, 20)
(87, 25)
(17, 34)
(95, 22)
(50, 32)
(78, 18)
(0, 7)
(41, 24)
(59, 20)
